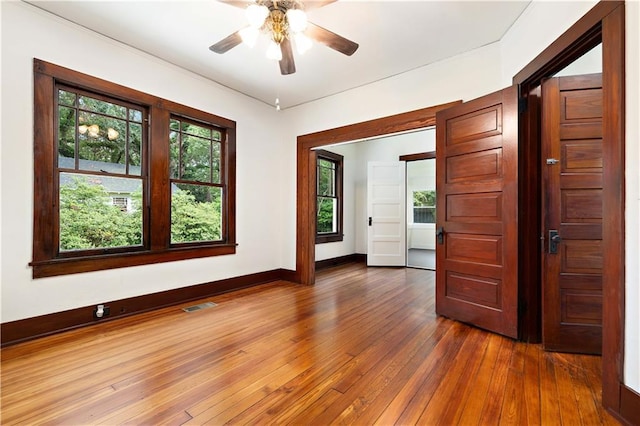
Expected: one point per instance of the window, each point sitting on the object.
(124, 178)
(329, 173)
(196, 184)
(424, 206)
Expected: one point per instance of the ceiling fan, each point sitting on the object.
(283, 21)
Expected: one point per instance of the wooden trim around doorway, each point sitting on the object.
(417, 157)
(603, 23)
(305, 206)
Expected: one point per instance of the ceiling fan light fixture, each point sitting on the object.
(297, 20)
(273, 51)
(249, 35)
(256, 14)
(303, 43)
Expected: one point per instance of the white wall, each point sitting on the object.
(27, 33)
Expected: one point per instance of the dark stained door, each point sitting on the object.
(477, 200)
(572, 210)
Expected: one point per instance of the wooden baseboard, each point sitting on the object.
(629, 405)
(31, 328)
(335, 261)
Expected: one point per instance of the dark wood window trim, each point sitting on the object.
(338, 160)
(46, 258)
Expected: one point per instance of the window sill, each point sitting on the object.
(329, 238)
(66, 266)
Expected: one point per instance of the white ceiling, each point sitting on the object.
(394, 37)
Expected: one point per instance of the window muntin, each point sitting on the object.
(138, 155)
(99, 154)
(329, 197)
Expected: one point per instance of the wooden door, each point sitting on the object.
(572, 210)
(386, 238)
(477, 201)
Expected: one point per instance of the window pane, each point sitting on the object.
(66, 135)
(66, 98)
(327, 222)
(196, 213)
(135, 115)
(196, 130)
(196, 159)
(424, 198)
(135, 149)
(102, 143)
(424, 214)
(94, 215)
(215, 162)
(174, 153)
(326, 181)
(96, 105)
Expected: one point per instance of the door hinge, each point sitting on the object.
(552, 161)
(522, 105)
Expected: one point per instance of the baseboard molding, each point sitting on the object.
(31, 328)
(629, 405)
(341, 260)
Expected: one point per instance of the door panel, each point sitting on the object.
(477, 182)
(386, 245)
(572, 204)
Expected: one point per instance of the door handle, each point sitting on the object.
(554, 240)
(370, 221)
(440, 235)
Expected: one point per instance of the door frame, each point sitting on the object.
(306, 190)
(408, 158)
(604, 23)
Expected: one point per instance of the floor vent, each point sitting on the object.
(200, 306)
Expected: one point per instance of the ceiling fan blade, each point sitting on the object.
(287, 65)
(316, 4)
(330, 39)
(227, 43)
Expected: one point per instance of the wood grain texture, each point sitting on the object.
(477, 156)
(362, 346)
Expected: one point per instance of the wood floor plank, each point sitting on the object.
(549, 397)
(409, 402)
(496, 390)
(532, 385)
(474, 405)
(362, 346)
(455, 384)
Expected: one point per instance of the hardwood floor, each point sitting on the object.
(362, 346)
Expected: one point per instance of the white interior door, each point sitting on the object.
(386, 245)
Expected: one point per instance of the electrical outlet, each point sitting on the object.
(101, 311)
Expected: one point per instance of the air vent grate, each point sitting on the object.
(199, 307)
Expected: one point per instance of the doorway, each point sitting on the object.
(421, 213)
